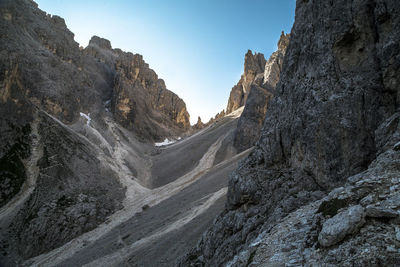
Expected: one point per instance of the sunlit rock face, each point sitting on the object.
(333, 113)
(142, 103)
(139, 100)
(253, 66)
(199, 124)
(262, 89)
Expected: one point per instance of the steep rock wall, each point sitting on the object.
(338, 85)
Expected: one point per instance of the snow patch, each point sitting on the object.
(166, 142)
(87, 117)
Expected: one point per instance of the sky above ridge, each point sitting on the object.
(196, 46)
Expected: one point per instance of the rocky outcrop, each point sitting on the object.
(142, 103)
(253, 65)
(327, 121)
(273, 67)
(261, 91)
(217, 117)
(138, 99)
(42, 66)
(347, 222)
(338, 230)
(199, 124)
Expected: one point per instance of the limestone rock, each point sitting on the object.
(273, 66)
(346, 222)
(252, 118)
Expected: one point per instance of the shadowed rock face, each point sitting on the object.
(261, 91)
(42, 72)
(337, 87)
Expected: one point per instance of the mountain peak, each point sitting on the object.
(100, 42)
(283, 41)
(254, 63)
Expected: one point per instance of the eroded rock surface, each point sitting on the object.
(344, 223)
(332, 114)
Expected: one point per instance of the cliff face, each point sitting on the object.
(142, 103)
(139, 100)
(253, 65)
(334, 108)
(261, 91)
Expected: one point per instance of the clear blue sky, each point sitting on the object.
(196, 46)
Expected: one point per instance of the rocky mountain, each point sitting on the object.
(82, 183)
(261, 91)
(142, 103)
(65, 80)
(321, 187)
(199, 124)
(66, 115)
(139, 100)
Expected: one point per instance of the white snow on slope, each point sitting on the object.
(166, 142)
(88, 119)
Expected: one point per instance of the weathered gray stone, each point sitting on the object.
(344, 223)
(381, 212)
(337, 87)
